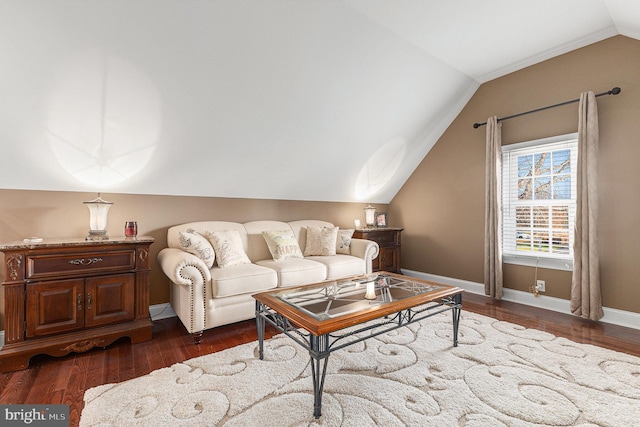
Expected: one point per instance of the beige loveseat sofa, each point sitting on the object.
(249, 258)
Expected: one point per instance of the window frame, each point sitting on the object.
(539, 259)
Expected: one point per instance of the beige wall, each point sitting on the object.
(441, 206)
(52, 214)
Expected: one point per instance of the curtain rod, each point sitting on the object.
(614, 91)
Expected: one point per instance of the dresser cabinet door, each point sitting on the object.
(65, 305)
(109, 299)
(387, 259)
(54, 306)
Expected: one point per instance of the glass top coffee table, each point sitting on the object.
(316, 316)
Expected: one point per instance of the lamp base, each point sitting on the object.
(97, 235)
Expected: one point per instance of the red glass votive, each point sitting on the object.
(130, 229)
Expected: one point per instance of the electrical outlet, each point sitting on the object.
(540, 286)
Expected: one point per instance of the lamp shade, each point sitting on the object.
(98, 211)
(369, 215)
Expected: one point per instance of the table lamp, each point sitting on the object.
(98, 209)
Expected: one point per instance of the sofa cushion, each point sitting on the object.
(228, 248)
(197, 245)
(321, 241)
(242, 279)
(300, 228)
(296, 271)
(339, 266)
(282, 244)
(257, 249)
(343, 241)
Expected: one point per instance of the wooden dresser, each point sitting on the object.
(390, 244)
(63, 296)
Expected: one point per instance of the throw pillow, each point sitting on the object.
(282, 244)
(343, 243)
(228, 247)
(321, 241)
(195, 244)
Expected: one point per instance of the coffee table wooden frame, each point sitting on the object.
(319, 339)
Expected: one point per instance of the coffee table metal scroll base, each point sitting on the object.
(321, 346)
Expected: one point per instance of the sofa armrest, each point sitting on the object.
(365, 249)
(183, 268)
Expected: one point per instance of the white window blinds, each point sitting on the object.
(539, 201)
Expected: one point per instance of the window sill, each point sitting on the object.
(542, 262)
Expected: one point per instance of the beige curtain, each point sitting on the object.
(586, 299)
(492, 213)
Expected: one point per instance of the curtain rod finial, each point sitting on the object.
(616, 90)
(476, 125)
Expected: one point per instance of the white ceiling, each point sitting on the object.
(489, 38)
(334, 100)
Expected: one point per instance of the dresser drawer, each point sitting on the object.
(383, 238)
(81, 263)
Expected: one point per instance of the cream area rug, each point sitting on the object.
(501, 374)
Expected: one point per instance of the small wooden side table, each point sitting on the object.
(389, 240)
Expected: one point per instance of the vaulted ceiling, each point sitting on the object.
(328, 100)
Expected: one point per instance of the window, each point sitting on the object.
(539, 202)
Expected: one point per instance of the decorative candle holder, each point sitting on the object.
(130, 229)
(371, 291)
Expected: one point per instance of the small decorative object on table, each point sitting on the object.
(130, 229)
(381, 219)
(32, 239)
(371, 291)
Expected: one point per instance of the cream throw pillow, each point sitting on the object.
(282, 244)
(228, 247)
(195, 244)
(321, 241)
(343, 243)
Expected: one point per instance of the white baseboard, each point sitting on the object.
(156, 312)
(161, 311)
(611, 315)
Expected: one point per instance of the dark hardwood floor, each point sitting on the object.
(64, 380)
